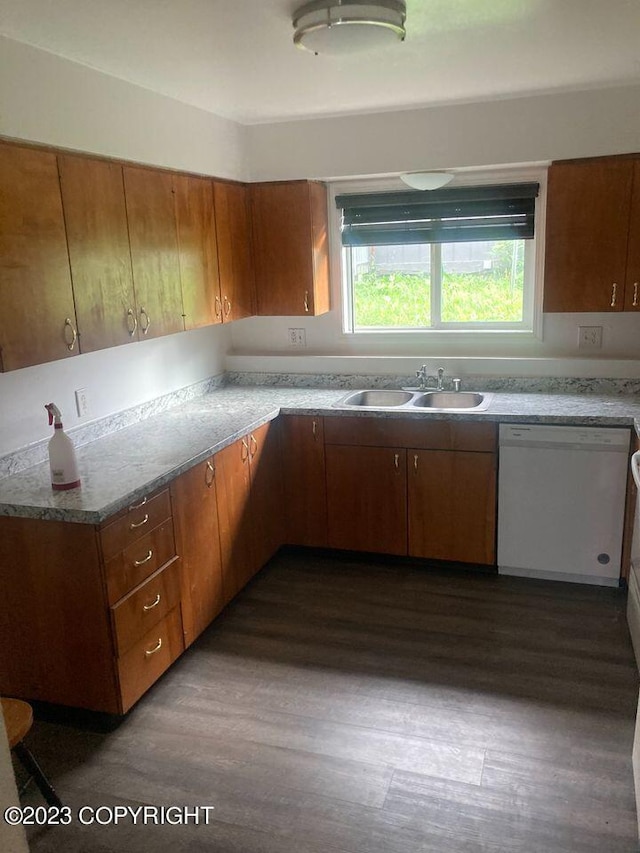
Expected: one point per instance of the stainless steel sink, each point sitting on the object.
(450, 400)
(378, 399)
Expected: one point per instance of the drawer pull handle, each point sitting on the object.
(415, 461)
(146, 607)
(144, 559)
(244, 452)
(396, 460)
(218, 308)
(635, 293)
(140, 505)
(156, 648)
(135, 524)
(614, 291)
(306, 301)
(253, 444)
(147, 321)
(209, 475)
(314, 429)
(132, 322)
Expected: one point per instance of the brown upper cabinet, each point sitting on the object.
(37, 313)
(592, 249)
(198, 251)
(154, 250)
(235, 253)
(98, 239)
(290, 230)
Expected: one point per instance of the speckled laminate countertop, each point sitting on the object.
(121, 468)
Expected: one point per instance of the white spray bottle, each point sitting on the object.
(62, 456)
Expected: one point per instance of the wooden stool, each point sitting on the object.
(18, 719)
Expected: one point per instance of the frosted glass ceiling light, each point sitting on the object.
(340, 27)
(427, 180)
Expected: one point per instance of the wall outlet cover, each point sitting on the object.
(589, 337)
(297, 337)
(82, 403)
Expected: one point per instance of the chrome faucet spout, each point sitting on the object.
(440, 379)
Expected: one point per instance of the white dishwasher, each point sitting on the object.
(561, 501)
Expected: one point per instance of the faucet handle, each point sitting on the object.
(456, 384)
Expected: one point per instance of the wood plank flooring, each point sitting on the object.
(352, 706)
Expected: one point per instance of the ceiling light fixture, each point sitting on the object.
(340, 27)
(427, 180)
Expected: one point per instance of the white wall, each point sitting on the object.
(115, 379)
(44, 98)
(517, 130)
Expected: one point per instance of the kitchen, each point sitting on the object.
(137, 125)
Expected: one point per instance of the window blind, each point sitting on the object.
(457, 214)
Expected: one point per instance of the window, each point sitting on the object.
(453, 259)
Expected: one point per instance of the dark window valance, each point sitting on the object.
(504, 212)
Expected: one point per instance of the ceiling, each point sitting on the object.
(236, 58)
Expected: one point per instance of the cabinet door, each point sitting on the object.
(290, 234)
(154, 251)
(452, 505)
(195, 513)
(267, 518)
(235, 250)
(37, 314)
(632, 285)
(305, 500)
(367, 498)
(588, 209)
(234, 488)
(98, 239)
(198, 251)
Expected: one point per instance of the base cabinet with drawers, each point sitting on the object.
(91, 615)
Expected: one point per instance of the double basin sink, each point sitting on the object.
(435, 400)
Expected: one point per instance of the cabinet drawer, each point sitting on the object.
(145, 662)
(134, 523)
(411, 432)
(131, 566)
(146, 605)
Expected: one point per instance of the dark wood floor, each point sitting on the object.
(344, 706)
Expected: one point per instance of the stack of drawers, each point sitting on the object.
(142, 576)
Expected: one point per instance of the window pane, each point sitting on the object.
(391, 286)
(483, 282)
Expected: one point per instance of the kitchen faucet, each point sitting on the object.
(425, 382)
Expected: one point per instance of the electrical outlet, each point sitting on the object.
(82, 403)
(297, 337)
(589, 337)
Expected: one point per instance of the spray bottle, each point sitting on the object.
(62, 456)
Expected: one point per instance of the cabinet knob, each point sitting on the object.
(614, 292)
(70, 340)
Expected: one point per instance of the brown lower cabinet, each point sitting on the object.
(91, 615)
(249, 506)
(409, 487)
(305, 489)
(452, 505)
(194, 497)
(367, 498)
